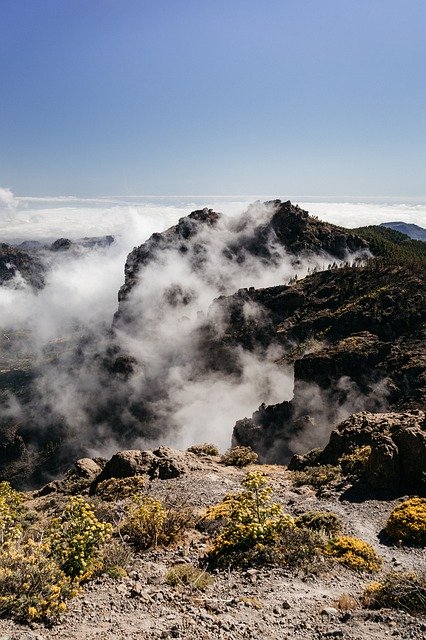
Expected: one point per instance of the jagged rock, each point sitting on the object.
(87, 468)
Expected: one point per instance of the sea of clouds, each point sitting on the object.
(81, 294)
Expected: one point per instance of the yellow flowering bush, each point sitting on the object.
(355, 464)
(407, 522)
(398, 589)
(10, 513)
(76, 539)
(250, 519)
(354, 553)
(32, 585)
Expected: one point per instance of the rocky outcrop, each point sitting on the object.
(398, 448)
(163, 463)
(18, 268)
(356, 340)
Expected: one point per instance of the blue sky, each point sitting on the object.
(279, 97)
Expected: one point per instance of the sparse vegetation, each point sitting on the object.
(316, 477)
(354, 553)
(186, 575)
(239, 457)
(204, 449)
(407, 522)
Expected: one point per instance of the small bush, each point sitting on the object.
(11, 513)
(399, 590)
(77, 537)
(32, 586)
(354, 553)
(355, 464)
(324, 522)
(204, 449)
(149, 522)
(186, 575)
(117, 559)
(121, 488)
(407, 522)
(250, 519)
(239, 457)
(346, 602)
(316, 477)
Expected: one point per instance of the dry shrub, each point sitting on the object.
(149, 522)
(186, 575)
(204, 449)
(239, 457)
(32, 585)
(316, 477)
(407, 522)
(121, 488)
(354, 553)
(323, 522)
(11, 513)
(346, 602)
(399, 590)
(118, 559)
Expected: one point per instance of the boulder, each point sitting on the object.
(86, 468)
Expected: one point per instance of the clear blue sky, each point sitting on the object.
(322, 97)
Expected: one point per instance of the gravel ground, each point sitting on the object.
(253, 604)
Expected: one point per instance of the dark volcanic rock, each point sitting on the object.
(14, 263)
(355, 337)
(61, 244)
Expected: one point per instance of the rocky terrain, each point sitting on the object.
(17, 267)
(313, 602)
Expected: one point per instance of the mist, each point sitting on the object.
(172, 395)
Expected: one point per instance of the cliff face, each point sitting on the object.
(351, 333)
(286, 228)
(17, 268)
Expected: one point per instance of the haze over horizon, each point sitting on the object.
(158, 97)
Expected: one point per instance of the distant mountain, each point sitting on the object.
(411, 230)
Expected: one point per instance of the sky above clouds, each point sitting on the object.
(105, 97)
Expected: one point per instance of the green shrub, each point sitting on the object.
(324, 522)
(77, 537)
(149, 522)
(355, 464)
(250, 518)
(32, 586)
(239, 457)
(11, 513)
(204, 449)
(121, 488)
(316, 477)
(186, 575)
(354, 553)
(407, 522)
(399, 590)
